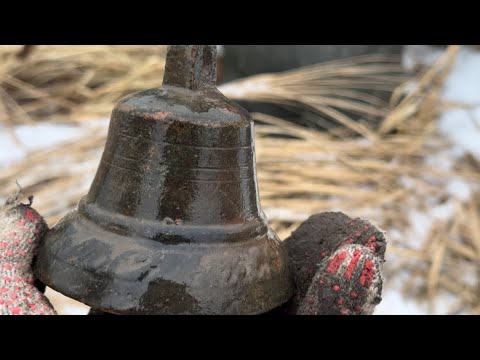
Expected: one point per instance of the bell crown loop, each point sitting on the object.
(191, 66)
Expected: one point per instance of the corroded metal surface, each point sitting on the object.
(172, 223)
(191, 66)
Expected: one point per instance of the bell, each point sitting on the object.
(172, 223)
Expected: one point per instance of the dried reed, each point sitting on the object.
(362, 175)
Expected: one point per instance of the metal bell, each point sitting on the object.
(172, 223)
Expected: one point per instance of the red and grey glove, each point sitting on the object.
(21, 228)
(336, 263)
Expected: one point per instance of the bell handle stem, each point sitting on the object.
(191, 66)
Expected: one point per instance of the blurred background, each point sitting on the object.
(390, 133)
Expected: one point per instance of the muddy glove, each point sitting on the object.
(21, 228)
(336, 262)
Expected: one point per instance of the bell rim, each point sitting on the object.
(82, 284)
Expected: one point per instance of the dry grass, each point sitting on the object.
(358, 168)
(329, 90)
(74, 82)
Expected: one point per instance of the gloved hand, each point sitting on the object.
(336, 263)
(21, 228)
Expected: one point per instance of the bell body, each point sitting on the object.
(172, 223)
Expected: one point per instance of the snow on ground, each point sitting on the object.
(461, 126)
(394, 303)
(65, 305)
(32, 138)
(39, 136)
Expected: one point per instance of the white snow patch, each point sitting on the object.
(407, 182)
(419, 55)
(463, 82)
(394, 303)
(74, 310)
(420, 224)
(443, 212)
(41, 136)
(284, 214)
(33, 137)
(241, 88)
(445, 159)
(458, 125)
(459, 189)
(462, 126)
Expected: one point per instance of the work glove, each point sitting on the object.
(21, 228)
